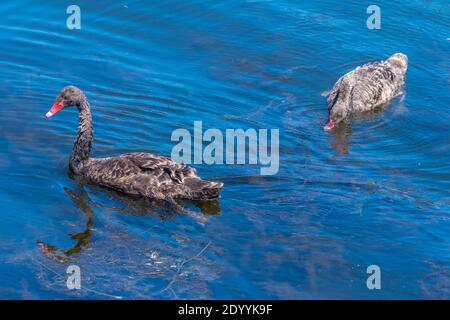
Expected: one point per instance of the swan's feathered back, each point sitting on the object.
(367, 87)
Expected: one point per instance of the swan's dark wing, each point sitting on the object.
(376, 84)
(345, 84)
(152, 162)
(148, 161)
(150, 175)
(172, 178)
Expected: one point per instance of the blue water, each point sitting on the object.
(374, 193)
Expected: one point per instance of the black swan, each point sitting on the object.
(138, 173)
(366, 88)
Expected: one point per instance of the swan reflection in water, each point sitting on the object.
(341, 134)
(340, 137)
(131, 206)
(83, 238)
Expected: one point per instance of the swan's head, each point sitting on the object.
(338, 113)
(69, 96)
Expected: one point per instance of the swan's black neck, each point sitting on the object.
(83, 144)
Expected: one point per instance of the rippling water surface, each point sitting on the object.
(373, 193)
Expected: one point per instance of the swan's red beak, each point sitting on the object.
(54, 110)
(330, 125)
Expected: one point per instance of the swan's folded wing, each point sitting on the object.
(149, 161)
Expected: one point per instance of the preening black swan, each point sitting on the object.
(138, 173)
(366, 88)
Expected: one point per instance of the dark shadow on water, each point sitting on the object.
(134, 205)
(129, 205)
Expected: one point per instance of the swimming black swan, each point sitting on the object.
(138, 173)
(366, 88)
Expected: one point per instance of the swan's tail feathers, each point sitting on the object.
(202, 189)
